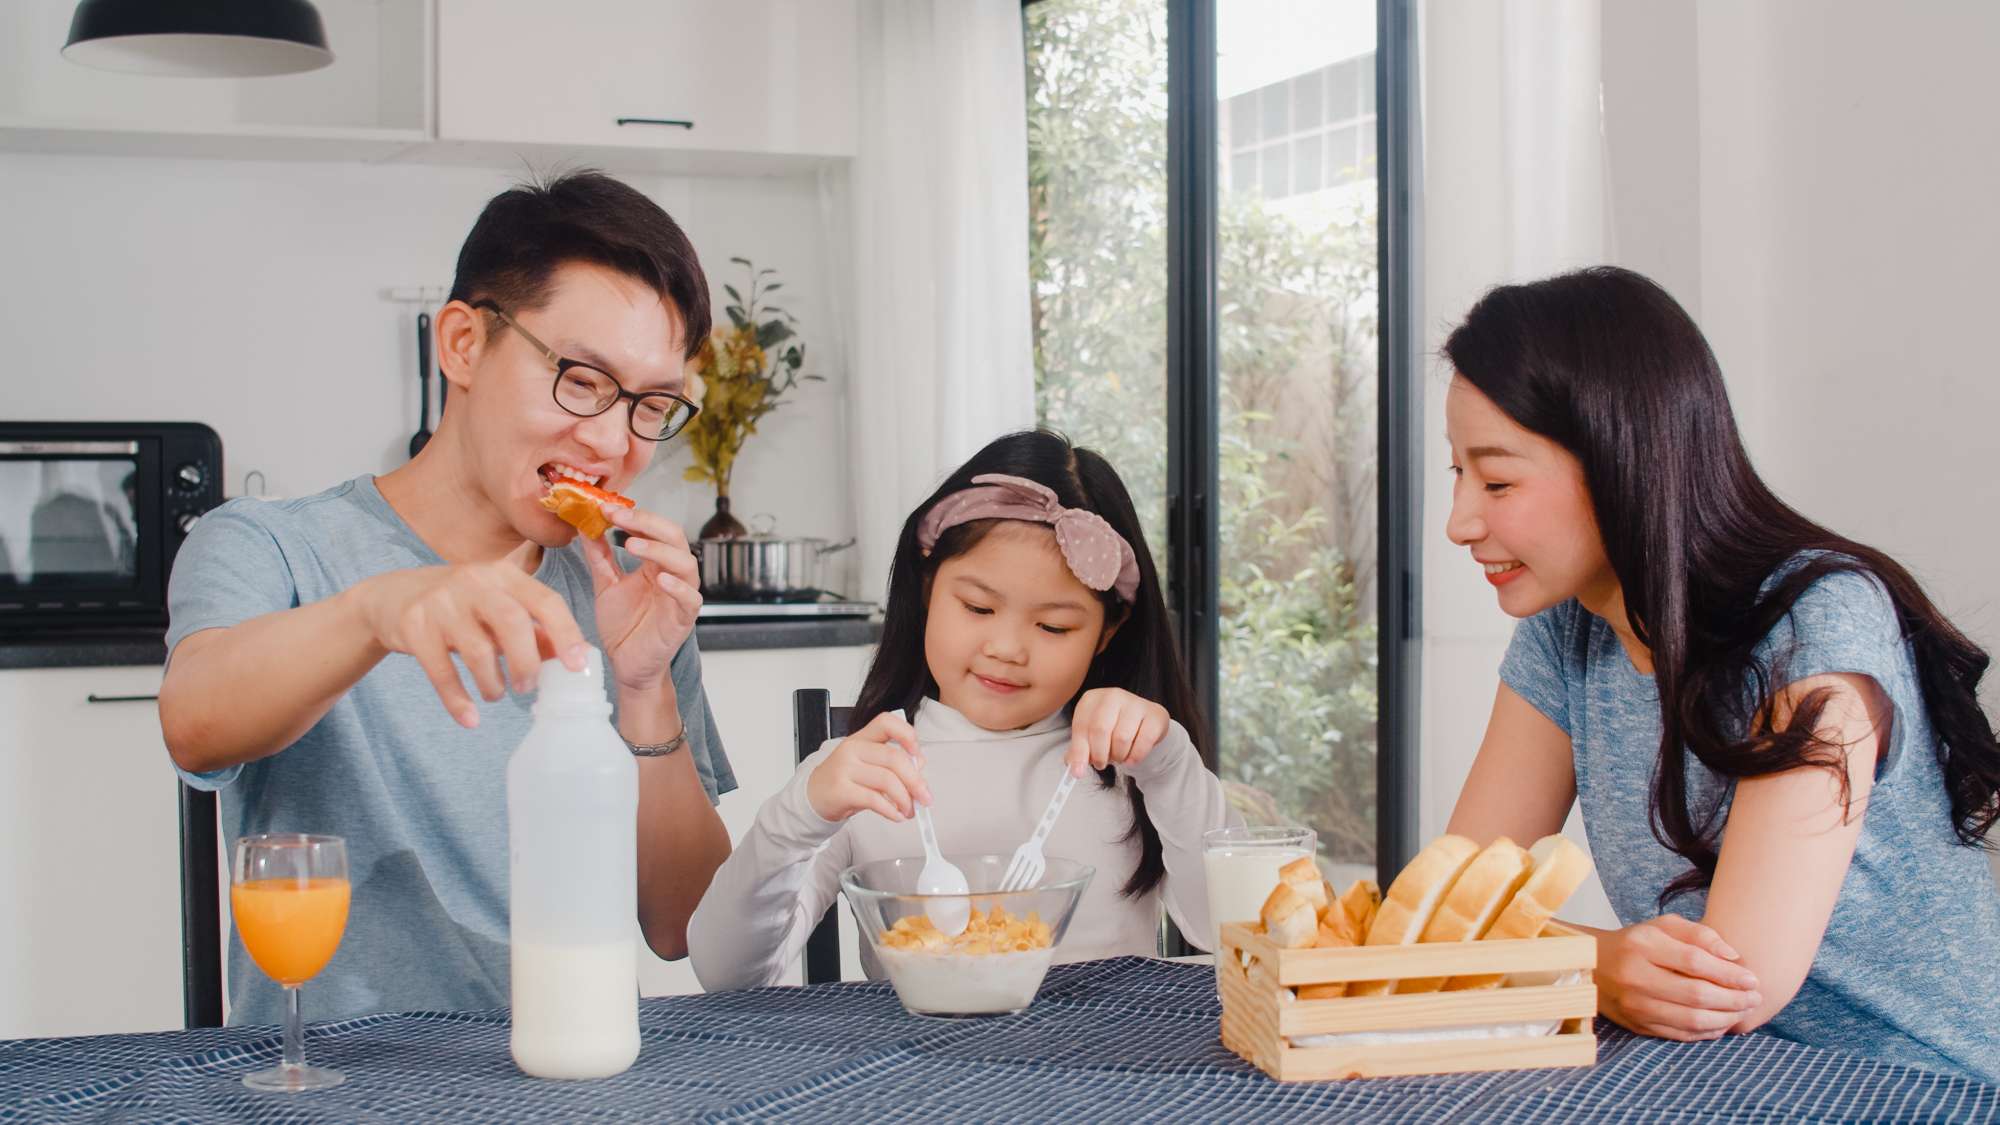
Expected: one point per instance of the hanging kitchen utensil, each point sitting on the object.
(423, 434)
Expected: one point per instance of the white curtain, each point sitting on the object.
(942, 360)
(1514, 188)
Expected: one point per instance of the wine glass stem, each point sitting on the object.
(295, 1032)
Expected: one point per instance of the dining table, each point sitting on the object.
(1128, 1039)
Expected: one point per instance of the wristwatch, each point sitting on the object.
(659, 749)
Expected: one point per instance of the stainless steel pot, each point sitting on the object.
(764, 567)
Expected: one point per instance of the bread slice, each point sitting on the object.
(1413, 898)
(1330, 936)
(1362, 900)
(1474, 901)
(1335, 920)
(1302, 874)
(1288, 918)
(1560, 867)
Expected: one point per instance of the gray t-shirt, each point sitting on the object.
(421, 801)
(1907, 969)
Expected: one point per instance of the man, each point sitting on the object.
(313, 640)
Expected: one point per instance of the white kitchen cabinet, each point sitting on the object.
(754, 77)
(89, 856)
(373, 101)
(751, 693)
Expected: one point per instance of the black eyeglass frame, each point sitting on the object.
(564, 365)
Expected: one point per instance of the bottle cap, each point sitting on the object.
(561, 687)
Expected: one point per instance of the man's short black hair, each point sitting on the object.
(526, 232)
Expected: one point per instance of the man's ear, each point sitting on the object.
(461, 336)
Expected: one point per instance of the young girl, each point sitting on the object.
(1025, 636)
(1770, 728)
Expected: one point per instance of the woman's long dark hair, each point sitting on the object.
(1604, 363)
(1142, 657)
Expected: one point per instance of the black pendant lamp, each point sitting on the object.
(198, 38)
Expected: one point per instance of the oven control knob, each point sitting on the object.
(187, 521)
(190, 477)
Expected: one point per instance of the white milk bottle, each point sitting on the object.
(572, 828)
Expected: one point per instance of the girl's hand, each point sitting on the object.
(1673, 979)
(645, 615)
(878, 767)
(1113, 727)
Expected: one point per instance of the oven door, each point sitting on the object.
(81, 533)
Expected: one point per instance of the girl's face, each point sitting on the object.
(1520, 504)
(1009, 633)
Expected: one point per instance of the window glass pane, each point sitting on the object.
(1340, 154)
(1243, 172)
(1343, 100)
(1277, 111)
(1307, 171)
(1364, 163)
(1276, 172)
(1308, 100)
(1097, 251)
(1296, 729)
(1365, 71)
(1242, 120)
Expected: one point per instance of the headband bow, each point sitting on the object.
(1100, 558)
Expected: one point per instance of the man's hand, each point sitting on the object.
(482, 612)
(646, 615)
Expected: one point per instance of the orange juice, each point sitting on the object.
(290, 926)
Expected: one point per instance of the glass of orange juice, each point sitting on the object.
(288, 897)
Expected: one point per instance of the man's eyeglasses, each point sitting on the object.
(586, 392)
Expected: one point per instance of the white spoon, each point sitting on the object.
(938, 877)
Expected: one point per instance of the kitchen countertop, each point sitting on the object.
(133, 650)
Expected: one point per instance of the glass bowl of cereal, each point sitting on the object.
(994, 967)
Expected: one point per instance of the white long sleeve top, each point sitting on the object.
(988, 789)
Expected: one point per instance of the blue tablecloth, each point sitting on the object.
(1127, 1040)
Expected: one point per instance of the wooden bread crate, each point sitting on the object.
(1260, 1013)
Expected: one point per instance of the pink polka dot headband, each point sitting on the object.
(1100, 558)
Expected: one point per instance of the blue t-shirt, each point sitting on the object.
(421, 801)
(1909, 969)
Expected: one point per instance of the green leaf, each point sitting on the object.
(733, 294)
(772, 332)
(774, 286)
(742, 262)
(737, 318)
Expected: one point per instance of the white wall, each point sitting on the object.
(250, 296)
(1813, 180)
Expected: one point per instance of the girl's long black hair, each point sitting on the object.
(1604, 363)
(1142, 657)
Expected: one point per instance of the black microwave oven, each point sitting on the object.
(91, 516)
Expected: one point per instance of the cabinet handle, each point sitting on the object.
(676, 122)
(93, 697)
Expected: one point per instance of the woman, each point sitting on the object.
(1770, 727)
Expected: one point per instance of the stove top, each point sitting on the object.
(823, 605)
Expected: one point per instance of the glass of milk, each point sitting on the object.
(1242, 866)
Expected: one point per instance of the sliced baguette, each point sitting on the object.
(1288, 918)
(1560, 868)
(1474, 901)
(1330, 936)
(1362, 900)
(1302, 875)
(1413, 898)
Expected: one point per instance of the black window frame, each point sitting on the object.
(1194, 376)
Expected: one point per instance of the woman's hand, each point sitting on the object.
(1673, 979)
(878, 767)
(1113, 727)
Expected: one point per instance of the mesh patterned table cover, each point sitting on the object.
(1125, 1040)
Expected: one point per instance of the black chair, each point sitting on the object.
(201, 910)
(814, 720)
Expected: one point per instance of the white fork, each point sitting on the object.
(1028, 864)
